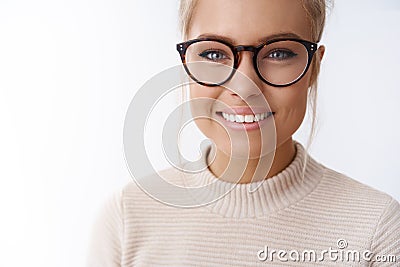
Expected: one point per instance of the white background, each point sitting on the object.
(69, 69)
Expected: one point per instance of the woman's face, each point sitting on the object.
(246, 23)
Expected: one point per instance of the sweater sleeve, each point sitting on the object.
(386, 241)
(106, 238)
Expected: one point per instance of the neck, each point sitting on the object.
(256, 168)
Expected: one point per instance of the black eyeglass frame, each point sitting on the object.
(310, 46)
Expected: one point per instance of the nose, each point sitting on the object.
(245, 83)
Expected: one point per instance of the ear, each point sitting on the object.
(321, 52)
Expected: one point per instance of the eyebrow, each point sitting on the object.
(262, 40)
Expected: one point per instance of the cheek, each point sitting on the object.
(202, 100)
(290, 104)
(200, 91)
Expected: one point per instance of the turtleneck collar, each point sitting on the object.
(257, 199)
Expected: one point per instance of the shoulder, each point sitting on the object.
(370, 204)
(138, 185)
(350, 196)
(341, 186)
(143, 191)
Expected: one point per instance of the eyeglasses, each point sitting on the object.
(279, 62)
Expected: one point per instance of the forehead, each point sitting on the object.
(248, 21)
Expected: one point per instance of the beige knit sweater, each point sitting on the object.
(328, 220)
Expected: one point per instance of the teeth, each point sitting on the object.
(239, 118)
(249, 118)
(246, 118)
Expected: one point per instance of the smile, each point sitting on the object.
(246, 118)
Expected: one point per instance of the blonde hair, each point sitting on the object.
(316, 12)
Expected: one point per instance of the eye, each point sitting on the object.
(280, 54)
(214, 55)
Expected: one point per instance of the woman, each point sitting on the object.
(256, 63)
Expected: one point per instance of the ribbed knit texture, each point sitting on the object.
(286, 213)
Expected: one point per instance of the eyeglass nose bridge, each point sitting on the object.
(241, 48)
